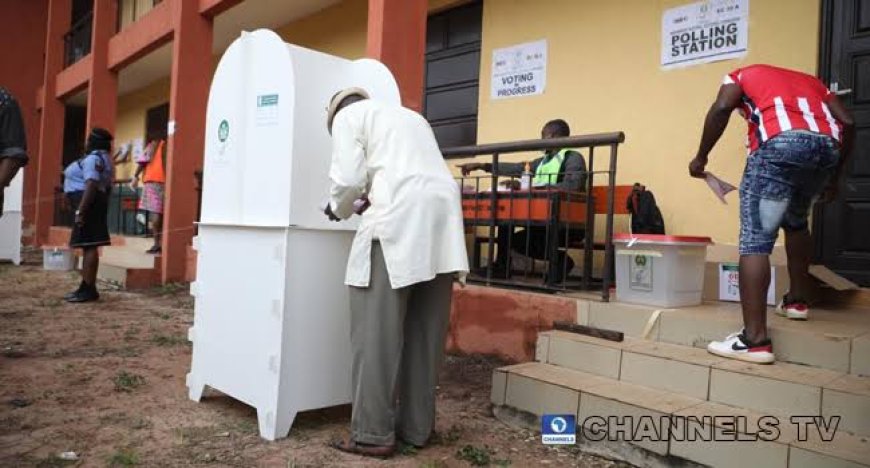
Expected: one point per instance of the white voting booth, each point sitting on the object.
(272, 322)
(10, 223)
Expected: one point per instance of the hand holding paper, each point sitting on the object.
(719, 187)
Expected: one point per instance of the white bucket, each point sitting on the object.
(57, 259)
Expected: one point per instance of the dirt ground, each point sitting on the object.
(107, 381)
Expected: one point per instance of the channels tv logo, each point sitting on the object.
(558, 429)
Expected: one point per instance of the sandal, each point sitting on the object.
(367, 450)
(154, 250)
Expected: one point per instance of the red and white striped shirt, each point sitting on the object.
(776, 100)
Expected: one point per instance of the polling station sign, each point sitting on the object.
(705, 32)
(520, 70)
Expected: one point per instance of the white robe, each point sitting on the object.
(389, 153)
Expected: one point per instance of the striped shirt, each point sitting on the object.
(777, 100)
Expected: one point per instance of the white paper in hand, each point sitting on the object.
(719, 187)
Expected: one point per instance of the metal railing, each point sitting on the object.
(124, 217)
(77, 41)
(553, 220)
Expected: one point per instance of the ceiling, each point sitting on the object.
(246, 16)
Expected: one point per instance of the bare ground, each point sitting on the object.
(107, 381)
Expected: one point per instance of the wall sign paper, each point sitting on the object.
(520, 70)
(705, 32)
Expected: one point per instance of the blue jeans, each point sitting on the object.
(781, 180)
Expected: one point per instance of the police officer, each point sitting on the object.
(87, 184)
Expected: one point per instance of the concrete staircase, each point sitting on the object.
(660, 372)
(128, 265)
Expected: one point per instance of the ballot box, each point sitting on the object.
(10, 223)
(271, 318)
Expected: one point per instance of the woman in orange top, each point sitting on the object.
(152, 191)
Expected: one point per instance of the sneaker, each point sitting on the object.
(735, 346)
(795, 310)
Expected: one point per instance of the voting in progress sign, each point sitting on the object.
(520, 70)
(705, 32)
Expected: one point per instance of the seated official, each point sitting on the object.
(562, 169)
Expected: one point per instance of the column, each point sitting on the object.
(397, 37)
(49, 159)
(192, 69)
(103, 86)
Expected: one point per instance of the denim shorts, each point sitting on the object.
(783, 177)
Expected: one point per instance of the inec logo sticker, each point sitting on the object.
(223, 130)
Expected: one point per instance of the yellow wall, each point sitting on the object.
(603, 74)
(130, 123)
(338, 30)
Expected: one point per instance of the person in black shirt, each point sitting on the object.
(13, 141)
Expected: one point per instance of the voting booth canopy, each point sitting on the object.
(271, 317)
(10, 223)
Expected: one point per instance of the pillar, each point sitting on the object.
(397, 37)
(191, 75)
(48, 161)
(103, 86)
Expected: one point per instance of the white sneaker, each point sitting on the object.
(735, 347)
(795, 310)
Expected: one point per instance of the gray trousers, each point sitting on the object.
(397, 337)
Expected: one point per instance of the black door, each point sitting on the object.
(843, 228)
(452, 74)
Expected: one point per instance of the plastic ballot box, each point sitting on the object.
(10, 223)
(271, 320)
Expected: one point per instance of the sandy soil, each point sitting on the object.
(106, 381)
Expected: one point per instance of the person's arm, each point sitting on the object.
(348, 172)
(504, 169)
(91, 173)
(140, 168)
(575, 173)
(729, 98)
(847, 141)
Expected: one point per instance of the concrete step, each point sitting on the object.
(838, 340)
(653, 427)
(129, 257)
(779, 389)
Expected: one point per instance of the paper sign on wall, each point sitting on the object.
(729, 283)
(520, 70)
(703, 32)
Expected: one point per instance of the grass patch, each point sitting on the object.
(477, 456)
(168, 340)
(124, 457)
(127, 382)
(171, 288)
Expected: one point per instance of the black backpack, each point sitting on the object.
(646, 218)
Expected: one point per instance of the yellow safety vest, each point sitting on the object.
(547, 173)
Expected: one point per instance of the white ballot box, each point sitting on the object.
(10, 223)
(272, 320)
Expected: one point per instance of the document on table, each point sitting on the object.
(719, 187)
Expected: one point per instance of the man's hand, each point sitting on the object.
(361, 205)
(697, 168)
(134, 183)
(468, 168)
(328, 212)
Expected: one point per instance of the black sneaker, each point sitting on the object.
(88, 294)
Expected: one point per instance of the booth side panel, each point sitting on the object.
(238, 313)
(317, 357)
(10, 223)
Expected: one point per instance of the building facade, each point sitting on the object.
(118, 64)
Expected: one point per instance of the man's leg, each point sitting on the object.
(425, 332)
(90, 265)
(377, 316)
(157, 229)
(799, 249)
(754, 282)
